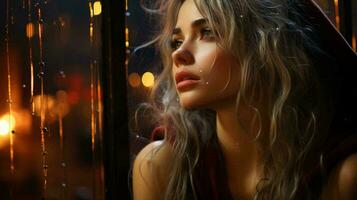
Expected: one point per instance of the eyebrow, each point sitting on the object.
(195, 23)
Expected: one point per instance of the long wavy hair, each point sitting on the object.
(273, 42)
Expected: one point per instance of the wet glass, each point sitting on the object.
(50, 100)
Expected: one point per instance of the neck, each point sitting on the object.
(240, 149)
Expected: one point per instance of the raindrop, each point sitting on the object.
(41, 74)
(44, 129)
(63, 75)
(42, 64)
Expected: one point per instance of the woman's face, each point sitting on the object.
(204, 75)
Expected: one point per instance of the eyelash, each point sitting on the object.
(205, 34)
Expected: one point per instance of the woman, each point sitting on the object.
(254, 104)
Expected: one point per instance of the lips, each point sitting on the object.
(185, 80)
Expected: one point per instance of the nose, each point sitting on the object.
(182, 56)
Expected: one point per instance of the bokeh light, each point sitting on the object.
(30, 30)
(134, 80)
(7, 124)
(48, 103)
(97, 7)
(148, 79)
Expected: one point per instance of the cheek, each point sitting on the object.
(207, 56)
(224, 74)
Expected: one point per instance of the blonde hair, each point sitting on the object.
(278, 81)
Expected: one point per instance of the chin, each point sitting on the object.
(188, 106)
(190, 103)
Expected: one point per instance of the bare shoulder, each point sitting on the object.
(342, 182)
(151, 170)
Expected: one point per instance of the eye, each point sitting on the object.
(207, 33)
(176, 43)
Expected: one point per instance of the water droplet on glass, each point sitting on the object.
(42, 64)
(127, 14)
(63, 164)
(41, 74)
(64, 185)
(45, 129)
(137, 136)
(24, 85)
(63, 75)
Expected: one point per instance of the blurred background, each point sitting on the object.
(50, 54)
(51, 92)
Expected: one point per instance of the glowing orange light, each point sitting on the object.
(134, 80)
(48, 103)
(354, 43)
(91, 11)
(148, 79)
(337, 14)
(30, 29)
(91, 31)
(7, 124)
(127, 37)
(97, 7)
